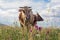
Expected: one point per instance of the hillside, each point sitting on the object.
(3, 25)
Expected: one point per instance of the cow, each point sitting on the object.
(26, 17)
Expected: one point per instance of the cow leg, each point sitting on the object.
(21, 25)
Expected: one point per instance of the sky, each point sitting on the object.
(48, 9)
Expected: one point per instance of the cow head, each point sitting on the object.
(26, 10)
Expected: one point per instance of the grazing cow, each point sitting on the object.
(27, 17)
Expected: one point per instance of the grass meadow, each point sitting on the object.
(18, 33)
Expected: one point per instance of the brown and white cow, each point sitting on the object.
(27, 17)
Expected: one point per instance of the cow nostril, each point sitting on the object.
(27, 17)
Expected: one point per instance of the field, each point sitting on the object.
(18, 33)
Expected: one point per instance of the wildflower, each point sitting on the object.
(36, 27)
(30, 30)
(40, 28)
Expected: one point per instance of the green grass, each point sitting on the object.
(16, 33)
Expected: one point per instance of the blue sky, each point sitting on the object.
(48, 9)
(42, 1)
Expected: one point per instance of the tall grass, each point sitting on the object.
(16, 33)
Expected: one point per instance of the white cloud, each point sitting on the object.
(55, 0)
